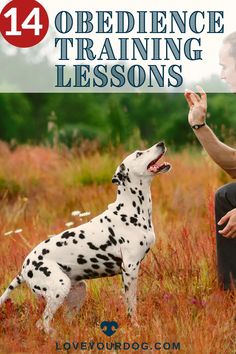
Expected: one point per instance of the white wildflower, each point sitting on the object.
(87, 213)
(69, 223)
(8, 233)
(18, 231)
(76, 213)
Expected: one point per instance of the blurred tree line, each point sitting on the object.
(108, 118)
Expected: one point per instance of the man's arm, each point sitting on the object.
(222, 154)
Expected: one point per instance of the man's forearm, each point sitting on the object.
(222, 154)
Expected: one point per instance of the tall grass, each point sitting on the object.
(178, 295)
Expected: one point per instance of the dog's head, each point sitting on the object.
(142, 164)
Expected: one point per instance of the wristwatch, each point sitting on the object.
(198, 126)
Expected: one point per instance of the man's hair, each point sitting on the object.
(231, 40)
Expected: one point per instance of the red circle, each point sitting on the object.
(21, 9)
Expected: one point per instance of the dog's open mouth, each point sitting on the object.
(156, 167)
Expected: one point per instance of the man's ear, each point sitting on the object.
(119, 175)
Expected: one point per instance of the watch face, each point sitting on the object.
(197, 126)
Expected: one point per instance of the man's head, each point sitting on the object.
(228, 61)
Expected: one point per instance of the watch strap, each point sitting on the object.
(198, 126)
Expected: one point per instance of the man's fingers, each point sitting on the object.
(230, 234)
(188, 99)
(225, 230)
(191, 95)
(202, 93)
(229, 230)
(194, 98)
(224, 219)
(200, 90)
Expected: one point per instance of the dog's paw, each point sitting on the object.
(45, 328)
(51, 332)
(134, 321)
(39, 325)
(135, 324)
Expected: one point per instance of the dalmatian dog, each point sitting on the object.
(114, 242)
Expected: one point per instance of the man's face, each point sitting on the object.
(228, 64)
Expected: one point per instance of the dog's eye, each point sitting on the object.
(139, 153)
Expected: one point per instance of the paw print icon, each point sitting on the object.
(109, 327)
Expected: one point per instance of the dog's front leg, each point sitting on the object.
(130, 279)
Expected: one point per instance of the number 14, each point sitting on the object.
(36, 26)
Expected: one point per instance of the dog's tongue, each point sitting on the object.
(156, 168)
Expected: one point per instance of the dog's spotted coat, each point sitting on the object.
(114, 242)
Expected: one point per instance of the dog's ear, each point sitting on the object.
(119, 175)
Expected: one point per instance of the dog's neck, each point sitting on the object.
(135, 199)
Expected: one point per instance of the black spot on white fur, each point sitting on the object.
(30, 274)
(67, 235)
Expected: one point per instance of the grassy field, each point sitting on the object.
(178, 297)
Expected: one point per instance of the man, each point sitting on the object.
(225, 198)
(228, 61)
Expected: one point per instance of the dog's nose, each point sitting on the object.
(161, 144)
